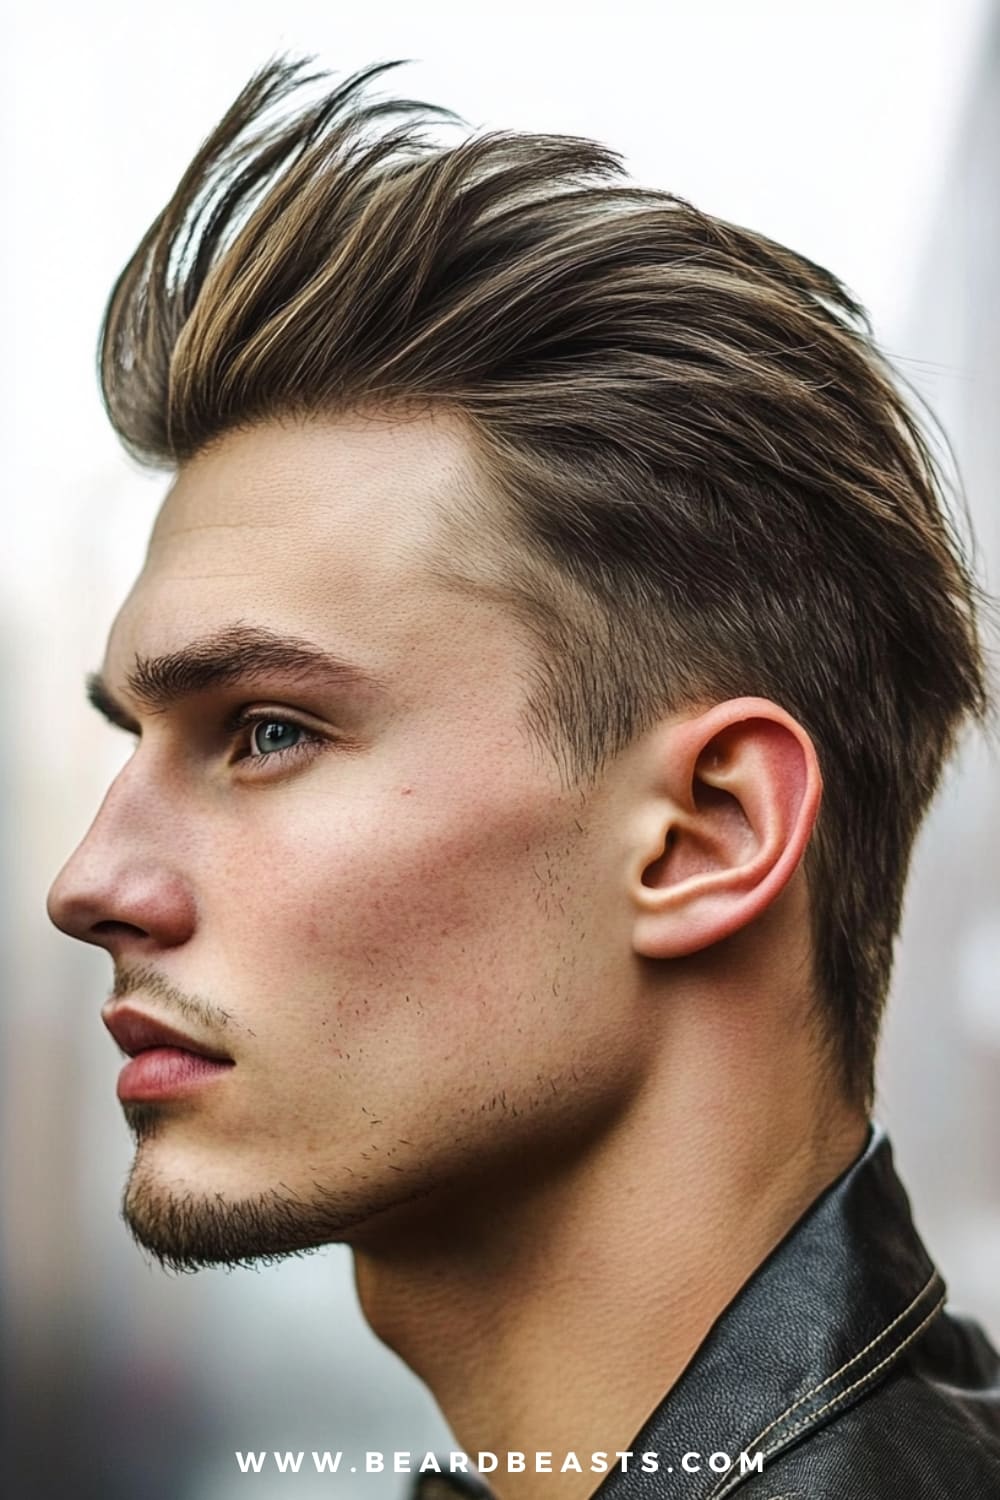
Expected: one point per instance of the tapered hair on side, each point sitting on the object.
(702, 475)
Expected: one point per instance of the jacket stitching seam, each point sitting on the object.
(862, 1380)
(717, 1492)
(869, 1374)
(815, 1390)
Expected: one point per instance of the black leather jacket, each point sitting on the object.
(838, 1364)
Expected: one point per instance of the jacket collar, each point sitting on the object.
(819, 1323)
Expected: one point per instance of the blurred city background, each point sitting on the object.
(865, 135)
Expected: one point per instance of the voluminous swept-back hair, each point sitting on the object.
(703, 478)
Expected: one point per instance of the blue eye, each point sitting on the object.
(268, 736)
(274, 738)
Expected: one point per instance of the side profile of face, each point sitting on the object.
(379, 901)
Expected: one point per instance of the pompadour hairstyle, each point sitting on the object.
(701, 475)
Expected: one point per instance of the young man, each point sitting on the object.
(543, 660)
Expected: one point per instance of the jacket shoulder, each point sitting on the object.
(930, 1431)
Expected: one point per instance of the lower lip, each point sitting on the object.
(162, 1071)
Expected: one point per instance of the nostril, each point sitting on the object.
(120, 905)
(115, 928)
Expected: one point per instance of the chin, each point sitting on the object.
(189, 1220)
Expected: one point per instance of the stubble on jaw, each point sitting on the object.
(186, 1231)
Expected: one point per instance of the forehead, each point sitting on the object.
(376, 487)
(337, 525)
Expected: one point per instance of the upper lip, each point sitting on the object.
(135, 1032)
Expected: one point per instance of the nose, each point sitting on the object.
(121, 887)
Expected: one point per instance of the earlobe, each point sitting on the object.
(726, 827)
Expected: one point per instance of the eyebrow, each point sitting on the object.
(228, 656)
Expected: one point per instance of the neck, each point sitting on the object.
(554, 1318)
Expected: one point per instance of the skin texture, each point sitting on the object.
(532, 1050)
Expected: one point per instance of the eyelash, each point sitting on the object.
(311, 743)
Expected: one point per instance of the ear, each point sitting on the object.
(732, 796)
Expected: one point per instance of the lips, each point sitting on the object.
(135, 1032)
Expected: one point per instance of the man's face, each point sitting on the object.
(412, 941)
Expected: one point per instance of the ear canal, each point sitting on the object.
(653, 873)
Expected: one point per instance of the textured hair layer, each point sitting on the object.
(705, 481)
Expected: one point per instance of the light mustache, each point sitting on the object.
(143, 979)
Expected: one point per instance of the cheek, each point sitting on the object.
(427, 912)
(431, 964)
(425, 894)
